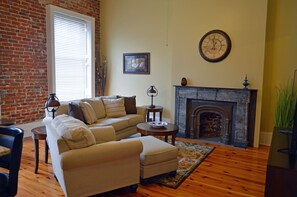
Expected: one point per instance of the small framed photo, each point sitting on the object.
(136, 63)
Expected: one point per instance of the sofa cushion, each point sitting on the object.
(75, 133)
(97, 105)
(88, 111)
(114, 107)
(74, 110)
(130, 104)
(133, 119)
(116, 123)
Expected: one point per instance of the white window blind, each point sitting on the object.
(72, 58)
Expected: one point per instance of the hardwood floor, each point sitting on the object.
(227, 171)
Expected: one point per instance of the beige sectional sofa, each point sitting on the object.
(109, 111)
(86, 156)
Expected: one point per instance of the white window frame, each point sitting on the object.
(50, 10)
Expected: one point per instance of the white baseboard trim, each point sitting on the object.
(265, 138)
(27, 127)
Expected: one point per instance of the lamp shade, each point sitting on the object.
(152, 92)
(52, 104)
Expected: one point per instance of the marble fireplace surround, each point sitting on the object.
(244, 102)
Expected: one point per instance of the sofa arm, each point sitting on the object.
(100, 153)
(53, 139)
(141, 111)
(103, 134)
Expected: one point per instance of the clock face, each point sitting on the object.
(215, 46)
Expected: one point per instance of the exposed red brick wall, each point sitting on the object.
(23, 54)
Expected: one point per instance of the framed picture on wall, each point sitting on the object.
(136, 63)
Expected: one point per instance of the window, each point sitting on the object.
(70, 54)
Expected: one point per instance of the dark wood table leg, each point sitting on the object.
(148, 116)
(36, 150)
(154, 116)
(46, 152)
(160, 115)
(166, 138)
(173, 139)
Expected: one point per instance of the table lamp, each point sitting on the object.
(152, 92)
(52, 104)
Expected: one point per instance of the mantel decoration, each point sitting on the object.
(245, 82)
(52, 104)
(215, 46)
(136, 63)
(152, 92)
(183, 81)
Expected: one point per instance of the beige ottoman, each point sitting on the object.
(157, 157)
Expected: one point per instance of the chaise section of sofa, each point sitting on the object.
(88, 161)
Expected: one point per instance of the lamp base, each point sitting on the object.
(152, 106)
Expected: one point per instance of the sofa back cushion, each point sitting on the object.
(88, 111)
(98, 106)
(130, 104)
(114, 107)
(75, 132)
(74, 110)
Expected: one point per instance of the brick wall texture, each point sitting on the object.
(23, 54)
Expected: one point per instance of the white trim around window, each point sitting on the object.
(51, 10)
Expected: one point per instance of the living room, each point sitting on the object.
(261, 33)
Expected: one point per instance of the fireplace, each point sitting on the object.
(227, 114)
(209, 119)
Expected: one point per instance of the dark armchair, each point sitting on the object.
(11, 138)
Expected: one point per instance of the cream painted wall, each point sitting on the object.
(280, 56)
(130, 26)
(149, 25)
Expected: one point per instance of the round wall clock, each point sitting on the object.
(215, 46)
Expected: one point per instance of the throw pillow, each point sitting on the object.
(98, 106)
(75, 111)
(74, 132)
(88, 111)
(114, 107)
(130, 104)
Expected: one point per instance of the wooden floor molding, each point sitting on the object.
(227, 171)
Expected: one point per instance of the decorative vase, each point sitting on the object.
(183, 81)
(246, 82)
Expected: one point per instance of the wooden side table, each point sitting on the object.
(153, 110)
(6, 122)
(39, 133)
(170, 129)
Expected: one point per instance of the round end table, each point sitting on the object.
(154, 110)
(6, 122)
(39, 133)
(170, 129)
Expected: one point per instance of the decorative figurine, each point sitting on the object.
(246, 82)
(183, 81)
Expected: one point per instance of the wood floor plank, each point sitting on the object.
(227, 171)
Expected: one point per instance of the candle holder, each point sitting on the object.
(246, 82)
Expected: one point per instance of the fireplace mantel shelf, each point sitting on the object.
(244, 89)
(244, 112)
